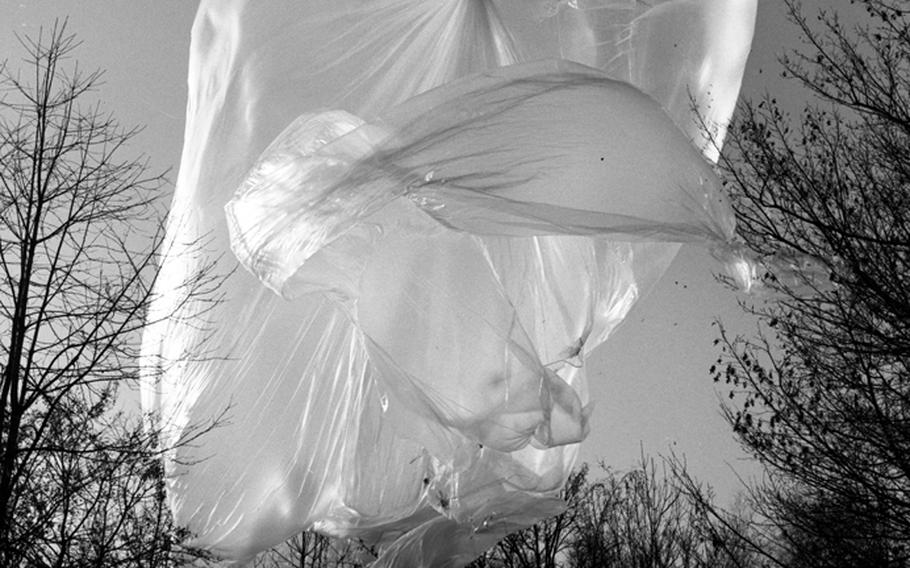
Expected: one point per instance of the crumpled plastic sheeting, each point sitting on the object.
(439, 208)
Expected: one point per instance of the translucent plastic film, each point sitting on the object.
(424, 215)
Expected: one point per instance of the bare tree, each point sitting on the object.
(80, 234)
(640, 518)
(313, 550)
(644, 518)
(821, 396)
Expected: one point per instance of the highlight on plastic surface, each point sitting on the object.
(427, 213)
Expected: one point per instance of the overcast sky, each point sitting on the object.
(650, 381)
